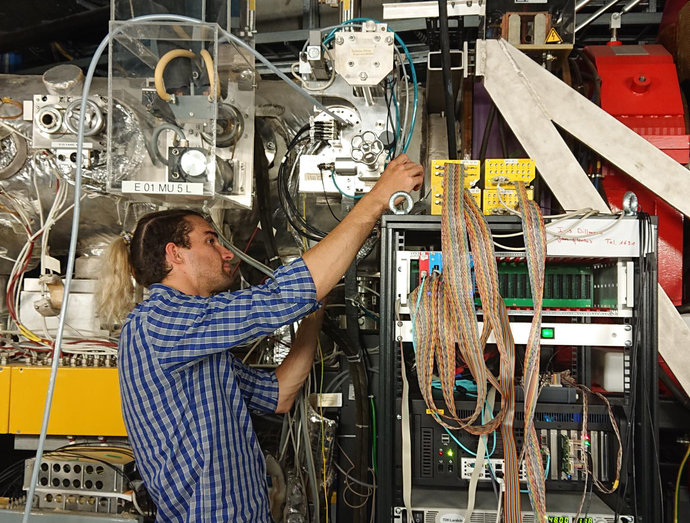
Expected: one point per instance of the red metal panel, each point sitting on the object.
(639, 86)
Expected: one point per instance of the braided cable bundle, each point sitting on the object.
(535, 245)
(445, 318)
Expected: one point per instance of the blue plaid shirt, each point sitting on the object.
(186, 398)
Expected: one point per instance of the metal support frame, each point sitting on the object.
(533, 102)
(532, 99)
(395, 230)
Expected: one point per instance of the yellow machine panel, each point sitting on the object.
(86, 401)
(494, 205)
(5, 379)
(438, 169)
(506, 171)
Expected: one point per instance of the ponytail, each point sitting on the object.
(115, 296)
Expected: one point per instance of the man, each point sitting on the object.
(185, 398)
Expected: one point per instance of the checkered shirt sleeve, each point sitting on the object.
(184, 328)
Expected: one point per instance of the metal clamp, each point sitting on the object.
(408, 203)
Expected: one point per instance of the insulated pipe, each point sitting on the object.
(581, 4)
(596, 15)
(447, 80)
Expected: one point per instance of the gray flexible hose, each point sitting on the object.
(241, 255)
(156, 134)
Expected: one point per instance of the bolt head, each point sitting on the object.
(351, 38)
(363, 76)
(389, 40)
(339, 40)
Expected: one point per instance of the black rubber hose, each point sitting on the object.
(359, 380)
(348, 341)
(263, 197)
(447, 79)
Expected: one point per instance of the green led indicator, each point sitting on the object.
(450, 452)
(548, 333)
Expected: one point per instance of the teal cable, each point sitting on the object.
(546, 470)
(354, 197)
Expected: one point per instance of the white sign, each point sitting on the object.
(181, 189)
(70, 145)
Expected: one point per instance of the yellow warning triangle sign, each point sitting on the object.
(553, 37)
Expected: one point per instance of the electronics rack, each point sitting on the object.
(634, 283)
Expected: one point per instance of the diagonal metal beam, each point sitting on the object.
(528, 118)
(601, 132)
(530, 98)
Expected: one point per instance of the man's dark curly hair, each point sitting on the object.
(153, 232)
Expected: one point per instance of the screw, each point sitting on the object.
(350, 64)
(376, 64)
(363, 76)
(398, 510)
(399, 338)
(628, 343)
(351, 38)
(628, 327)
(400, 324)
(389, 40)
(339, 40)
(642, 78)
(270, 145)
(175, 151)
(313, 52)
(398, 417)
(377, 38)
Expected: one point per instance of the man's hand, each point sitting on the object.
(402, 174)
(329, 259)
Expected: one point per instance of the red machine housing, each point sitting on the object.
(639, 87)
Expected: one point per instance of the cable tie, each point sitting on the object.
(362, 426)
(354, 359)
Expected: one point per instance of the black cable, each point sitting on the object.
(286, 201)
(360, 380)
(487, 132)
(325, 195)
(447, 79)
(596, 79)
(358, 374)
(389, 119)
(263, 197)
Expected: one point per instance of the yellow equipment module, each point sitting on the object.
(86, 401)
(5, 378)
(503, 172)
(493, 204)
(438, 171)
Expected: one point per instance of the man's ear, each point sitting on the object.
(173, 255)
